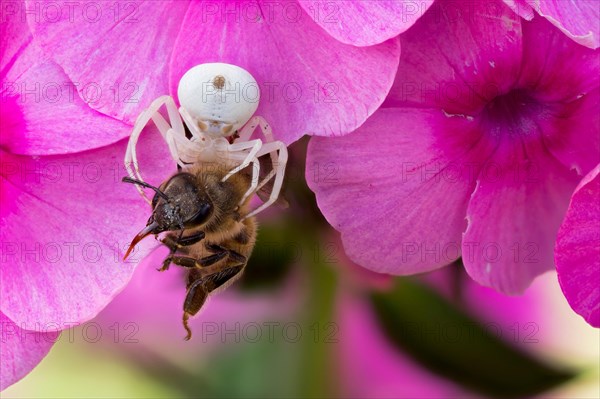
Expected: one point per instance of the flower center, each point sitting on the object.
(514, 115)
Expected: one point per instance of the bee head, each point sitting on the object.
(179, 205)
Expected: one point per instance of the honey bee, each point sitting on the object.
(206, 227)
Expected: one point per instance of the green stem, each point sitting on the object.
(318, 374)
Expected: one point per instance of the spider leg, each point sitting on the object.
(189, 122)
(278, 152)
(278, 171)
(172, 134)
(187, 151)
(246, 132)
(152, 113)
(254, 146)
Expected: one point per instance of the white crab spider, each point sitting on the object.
(217, 100)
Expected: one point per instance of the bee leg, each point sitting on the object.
(221, 275)
(221, 278)
(212, 259)
(186, 261)
(174, 244)
(200, 285)
(220, 252)
(166, 263)
(191, 240)
(236, 258)
(194, 300)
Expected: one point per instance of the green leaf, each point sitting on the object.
(449, 342)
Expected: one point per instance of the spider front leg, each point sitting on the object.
(250, 158)
(279, 156)
(256, 121)
(278, 171)
(167, 130)
(246, 132)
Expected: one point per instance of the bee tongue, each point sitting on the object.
(140, 236)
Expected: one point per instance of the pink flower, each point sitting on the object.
(474, 153)
(310, 82)
(67, 104)
(365, 22)
(61, 233)
(577, 250)
(41, 111)
(577, 19)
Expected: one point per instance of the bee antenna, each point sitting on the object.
(128, 179)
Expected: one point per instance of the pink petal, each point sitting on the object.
(572, 137)
(554, 67)
(488, 305)
(121, 49)
(365, 23)
(514, 215)
(577, 19)
(14, 33)
(65, 223)
(521, 8)
(310, 82)
(53, 121)
(41, 111)
(21, 351)
(397, 188)
(528, 311)
(572, 122)
(457, 57)
(577, 250)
